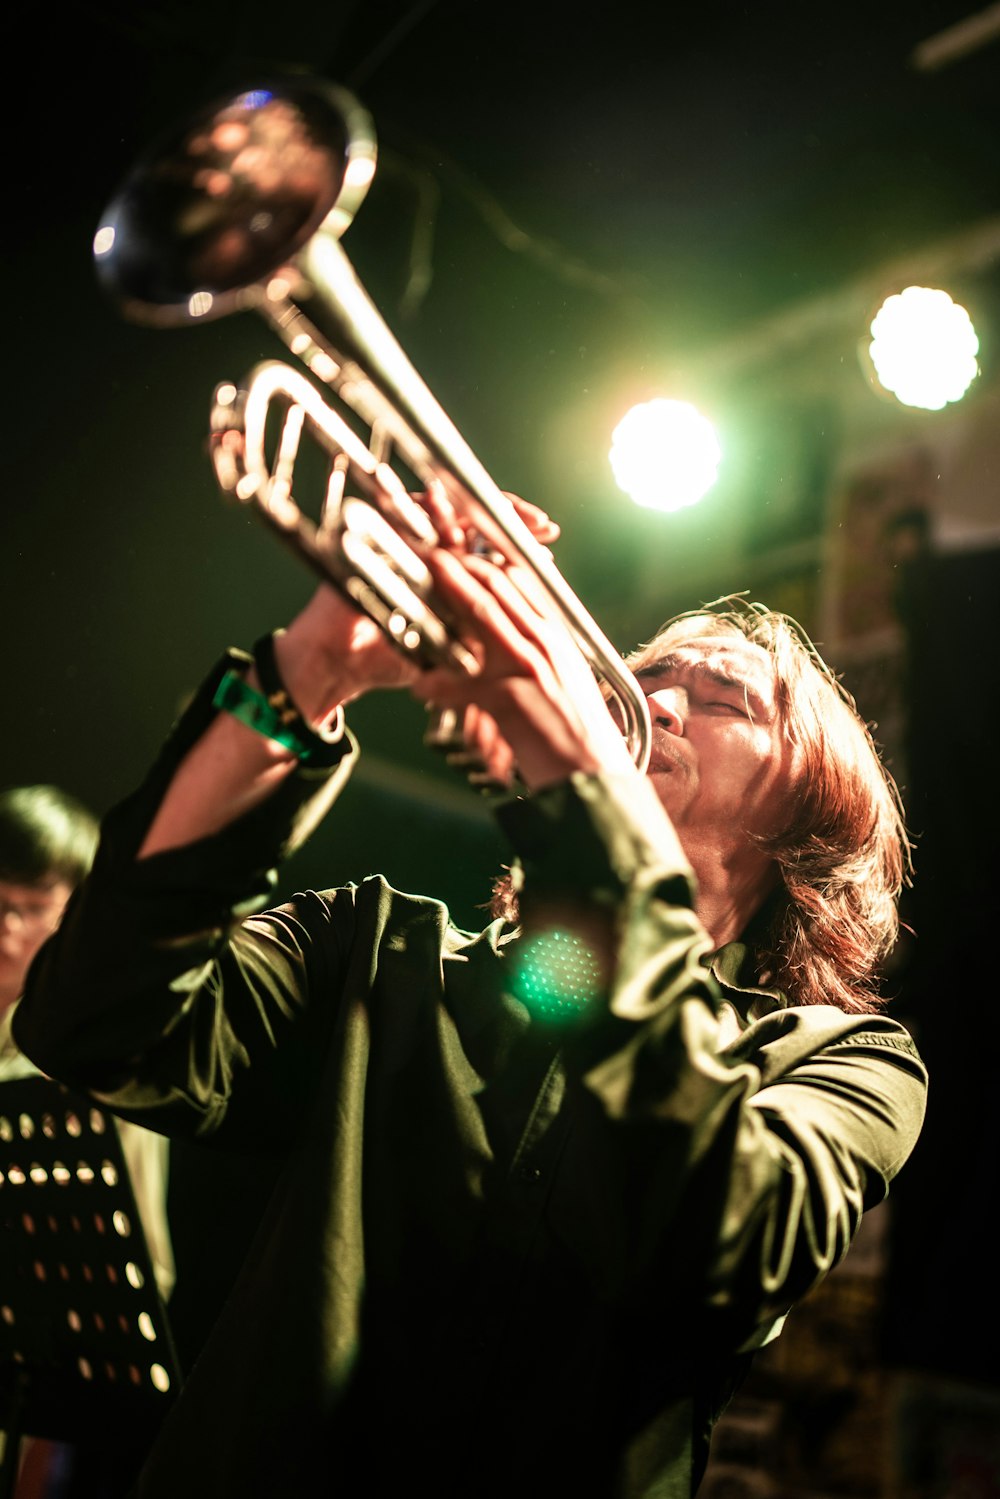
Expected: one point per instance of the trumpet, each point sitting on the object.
(243, 207)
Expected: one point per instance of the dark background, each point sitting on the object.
(573, 204)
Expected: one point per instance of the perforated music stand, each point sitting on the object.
(85, 1344)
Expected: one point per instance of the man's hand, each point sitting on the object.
(535, 702)
(331, 653)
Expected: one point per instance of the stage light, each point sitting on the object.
(665, 454)
(924, 348)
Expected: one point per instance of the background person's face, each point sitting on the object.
(28, 914)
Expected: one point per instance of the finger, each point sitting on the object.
(470, 740)
(539, 522)
(484, 755)
(532, 591)
(443, 687)
(503, 766)
(465, 752)
(525, 601)
(522, 631)
(443, 515)
(495, 753)
(398, 505)
(565, 659)
(470, 587)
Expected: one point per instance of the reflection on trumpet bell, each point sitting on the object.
(226, 199)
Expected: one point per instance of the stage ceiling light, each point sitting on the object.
(924, 348)
(665, 454)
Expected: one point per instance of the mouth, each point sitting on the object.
(664, 760)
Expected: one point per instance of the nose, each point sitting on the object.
(668, 709)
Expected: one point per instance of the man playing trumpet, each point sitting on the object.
(547, 1185)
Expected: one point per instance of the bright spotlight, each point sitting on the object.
(924, 348)
(665, 454)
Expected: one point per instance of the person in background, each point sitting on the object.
(47, 843)
(546, 1186)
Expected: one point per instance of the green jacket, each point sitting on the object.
(513, 1251)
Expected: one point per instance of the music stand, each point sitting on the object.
(85, 1344)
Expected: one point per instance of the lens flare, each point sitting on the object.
(556, 975)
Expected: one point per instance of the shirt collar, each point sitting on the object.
(734, 970)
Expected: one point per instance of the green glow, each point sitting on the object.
(924, 348)
(665, 454)
(556, 975)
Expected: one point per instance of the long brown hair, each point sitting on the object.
(843, 854)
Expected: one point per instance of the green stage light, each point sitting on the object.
(924, 348)
(665, 454)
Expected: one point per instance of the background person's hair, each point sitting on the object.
(843, 854)
(45, 834)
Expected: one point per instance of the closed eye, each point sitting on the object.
(740, 709)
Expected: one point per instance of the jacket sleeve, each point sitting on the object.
(731, 1159)
(162, 984)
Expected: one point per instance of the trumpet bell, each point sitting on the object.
(222, 203)
(242, 207)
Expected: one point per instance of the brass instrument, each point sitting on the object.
(243, 207)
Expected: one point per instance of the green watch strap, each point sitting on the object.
(237, 698)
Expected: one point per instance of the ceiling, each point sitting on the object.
(564, 190)
(708, 162)
(571, 199)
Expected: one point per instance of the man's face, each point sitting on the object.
(720, 762)
(28, 914)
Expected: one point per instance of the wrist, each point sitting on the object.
(316, 737)
(331, 654)
(314, 676)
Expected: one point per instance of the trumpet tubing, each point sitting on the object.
(243, 207)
